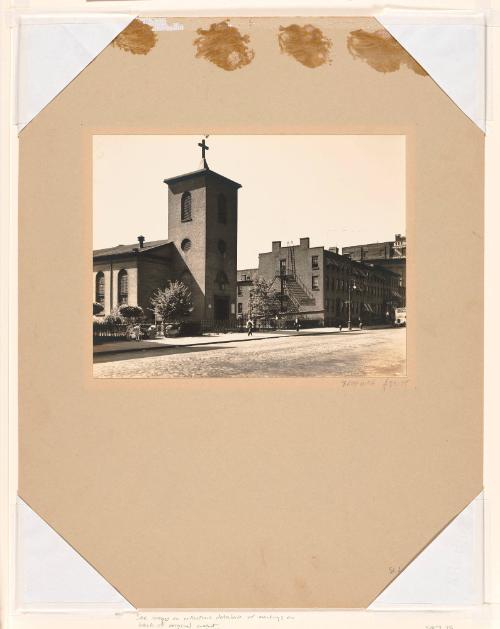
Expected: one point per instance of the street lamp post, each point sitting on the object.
(351, 287)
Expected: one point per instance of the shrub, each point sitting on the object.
(172, 303)
(113, 319)
(131, 312)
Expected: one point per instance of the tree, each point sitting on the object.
(130, 312)
(263, 299)
(173, 302)
(97, 308)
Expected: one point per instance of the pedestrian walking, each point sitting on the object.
(297, 325)
(137, 332)
(360, 324)
(250, 327)
(340, 327)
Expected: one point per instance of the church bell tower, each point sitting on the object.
(203, 226)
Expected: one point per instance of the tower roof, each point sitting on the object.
(205, 172)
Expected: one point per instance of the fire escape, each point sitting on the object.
(292, 293)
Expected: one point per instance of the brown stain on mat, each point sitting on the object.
(307, 44)
(224, 46)
(381, 51)
(138, 38)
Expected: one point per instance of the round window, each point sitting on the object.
(186, 245)
(221, 245)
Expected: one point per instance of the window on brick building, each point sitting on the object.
(240, 291)
(186, 207)
(315, 282)
(122, 287)
(240, 308)
(99, 288)
(315, 262)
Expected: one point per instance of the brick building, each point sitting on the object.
(201, 251)
(388, 255)
(319, 285)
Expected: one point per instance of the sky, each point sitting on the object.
(339, 190)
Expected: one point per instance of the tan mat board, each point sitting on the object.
(250, 493)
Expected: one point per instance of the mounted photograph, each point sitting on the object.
(249, 256)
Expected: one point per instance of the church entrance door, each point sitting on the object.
(221, 308)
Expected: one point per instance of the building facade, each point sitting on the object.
(388, 255)
(322, 287)
(201, 252)
(364, 283)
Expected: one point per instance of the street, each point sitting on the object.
(310, 353)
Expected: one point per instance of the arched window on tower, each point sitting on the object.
(221, 209)
(122, 287)
(186, 207)
(99, 287)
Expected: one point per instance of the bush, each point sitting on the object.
(113, 319)
(131, 312)
(173, 303)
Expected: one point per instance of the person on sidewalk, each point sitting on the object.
(250, 327)
(360, 324)
(340, 327)
(297, 325)
(137, 332)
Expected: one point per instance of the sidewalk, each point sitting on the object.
(116, 347)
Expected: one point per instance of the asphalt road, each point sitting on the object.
(355, 353)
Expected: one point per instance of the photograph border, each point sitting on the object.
(410, 222)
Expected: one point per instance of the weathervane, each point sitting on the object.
(204, 147)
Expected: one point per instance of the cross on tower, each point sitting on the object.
(204, 147)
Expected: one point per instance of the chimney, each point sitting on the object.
(141, 240)
(333, 249)
(276, 246)
(304, 242)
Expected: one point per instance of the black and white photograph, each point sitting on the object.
(249, 256)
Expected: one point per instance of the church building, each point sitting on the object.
(201, 251)
(319, 285)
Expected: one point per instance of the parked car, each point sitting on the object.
(400, 317)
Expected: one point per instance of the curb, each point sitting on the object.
(243, 340)
(165, 346)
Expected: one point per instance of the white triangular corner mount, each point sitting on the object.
(52, 575)
(447, 573)
(451, 47)
(53, 50)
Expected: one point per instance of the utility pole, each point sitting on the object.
(353, 287)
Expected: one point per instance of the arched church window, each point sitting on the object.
(221, 209)
(221, 280)
(186, 207)
(122, 287)
(99, 287)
